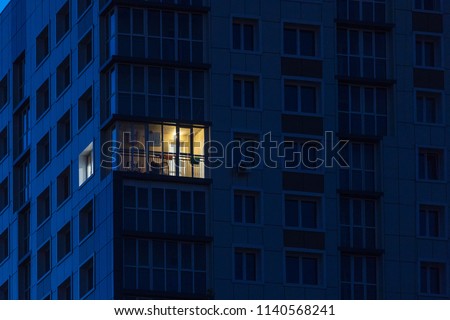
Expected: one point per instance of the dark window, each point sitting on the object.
(22, 179)
(43, 206)
(82, 6)
(245, 207)
(360, 175)
(4, 245)
(428, 51)
(64, 241)
(303, 269)
(63, 186)
(358, 277)
(19, 79)
(43, 260)
(245, 92)
(433, 278)
(24, 233)
(4, 91)
(24, 280)
(431, 164)
(86, 220)
(4, 194)
(429, 107)
(3, 143)
(86, 277)
(300, 41)
(302, 212)
(22, 130)
(63, 76)
(247, 264)
(431, 221)
(42, 46)
(43, 152)
(85, 108)
(4, 291)
(245, 34)
(63, 130)
(428, 5)
(43, 98)
(84, 51)
(62, 21)
(301, 97)
(65, 289)
(362, 10)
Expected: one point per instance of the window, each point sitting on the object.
(165, 266)
(431, 164)
(4, 91)
(63, 186)
(62, 21)
(43, 98)
(360, 175)
(4, 194)
(19, 79)
(300, 41)
(22, 179)
(432, 278)
(246, 207)
(64, 241)
(85, 108)
(428, 51)
(358, 223)
(86, 220)
(245, 154)
(245, 34)
(3, 143)
(43, 206)
(302, 212)
(86, 277)
(43, 260)
(22, 130)
(86, 164)
(432, 221)
(301, 97)
(43, 152)
(65, 289)
(84, 52)
(358, 277)
(428, 5)
(63, 76)
(42, 46)
(25, 279)
(4, 291)
(363, 110)
(362, 10)
(303, 268)
(361, 53)
(4, 246)
(247, 264)
(429, 107)
(82, 6)
(63, 130)
(302, 154)
(172, 211)
(245, 92)
(24, 233)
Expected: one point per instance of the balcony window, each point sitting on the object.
(363, 10)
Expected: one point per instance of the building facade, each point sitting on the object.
(108, 111)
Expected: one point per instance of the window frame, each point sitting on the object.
(60, 37)
(443, 277)
(259, 265)
(259, 207)
(440, 111)
(442, 220)
(364, 282)
(242, 21)
(83, 265)
(82, 211)
(438, 10)
(299, 196)
(83, 44)
(6, 86)
(298, 27)
(86, 164)
(44, 57)
(60, 75)
(255, 79)
(437, 40)
(40, 275)
(308, 253)
(441, 170)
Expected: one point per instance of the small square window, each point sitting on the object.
(428, 51)
(301, 97)
(246, 154)
(64, 241)
(302, 212)
(4, 246)
(86, 220)
(43, 152)
(63, 186)
(432, 278)
(245, 92)
(303, 268)
(63, 76)
(247, 264)
(63, 130)
(3, 143)
(86, 164)
(85, 108)
(429, 107)
(84, 52)
(43, 206)
(43, 260)
(4, 194)
(432, 221)
(300, 41)
(246, 207)
(82, 6)
(4, 91)
(42, 46)
(86, 277)
(65, 289)
(245, 34)
(62, 21)
(431, 164)
(4, 291)
(43, 98)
